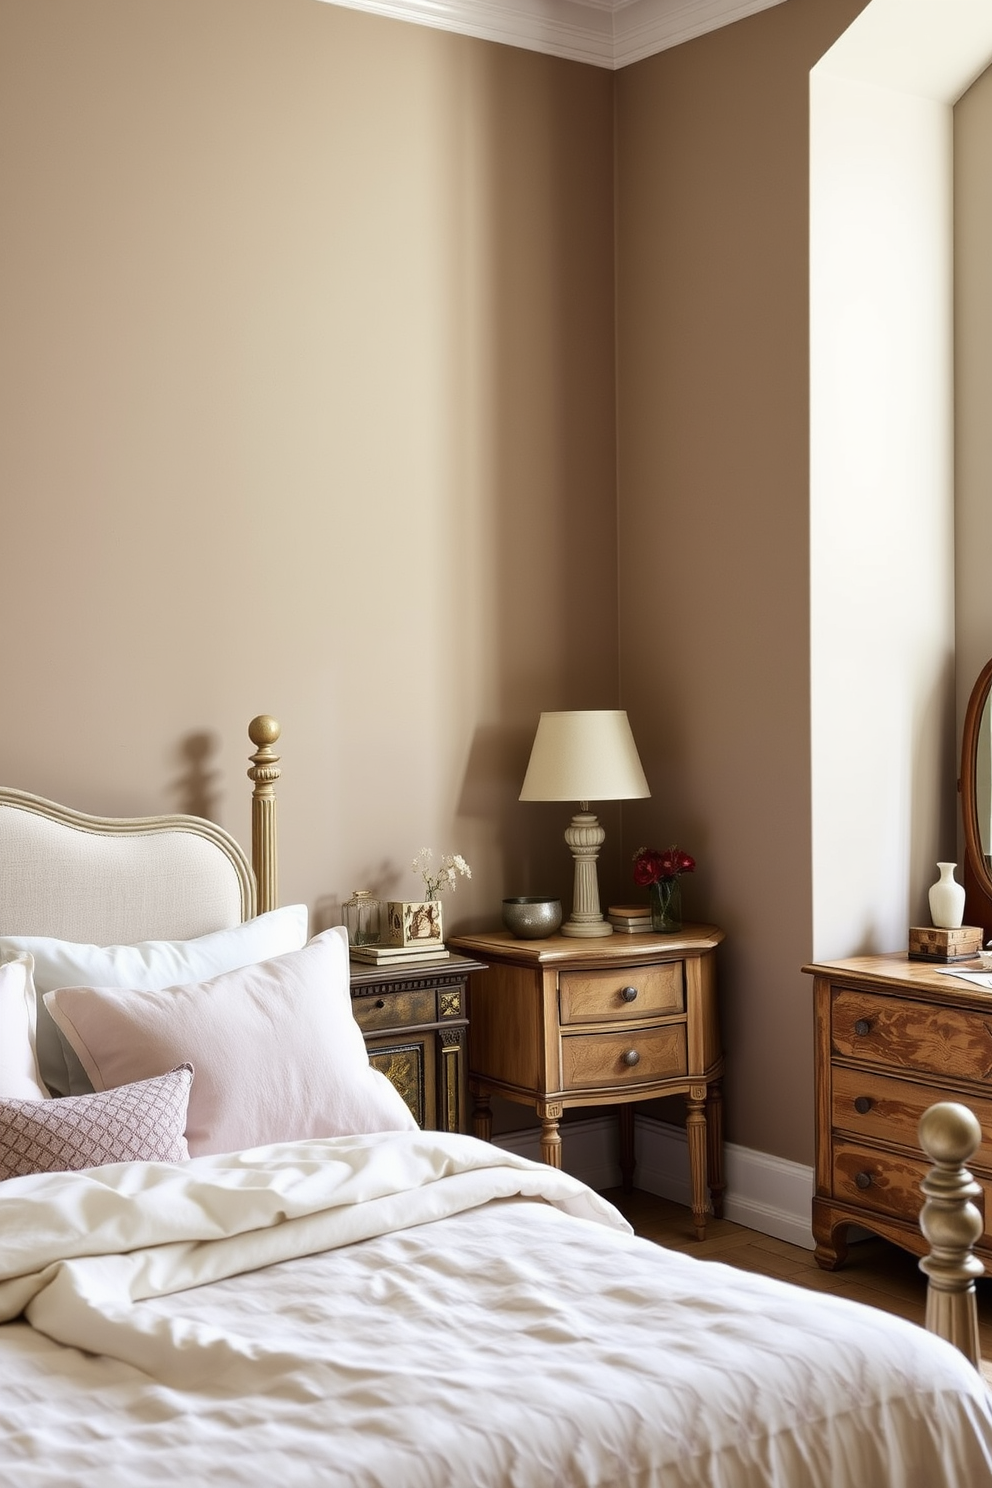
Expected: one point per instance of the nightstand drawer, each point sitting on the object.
(395, 1010)
(905, 1034)
(626, 1058)
(635, 992)
(871, 1106)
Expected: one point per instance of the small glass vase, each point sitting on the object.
(666, 906)
(361, 916)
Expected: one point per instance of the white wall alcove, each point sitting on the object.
(882, 463)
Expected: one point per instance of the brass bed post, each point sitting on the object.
(952, 1224)
(263, 732)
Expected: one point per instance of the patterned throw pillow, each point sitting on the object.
(143, 1122)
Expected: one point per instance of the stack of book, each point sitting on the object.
(396, 955)
(630, 919)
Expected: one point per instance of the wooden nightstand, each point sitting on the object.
(565, 1022)
(414, 1020)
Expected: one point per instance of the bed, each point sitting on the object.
(227, 1255)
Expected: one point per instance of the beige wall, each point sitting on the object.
(307, 399)
(713, 166)
(973, 382)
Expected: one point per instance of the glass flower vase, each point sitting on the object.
(666, 906)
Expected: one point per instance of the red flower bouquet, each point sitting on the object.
(660, 872)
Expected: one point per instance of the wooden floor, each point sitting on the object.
(877, 1273)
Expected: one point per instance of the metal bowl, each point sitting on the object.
(531, 918)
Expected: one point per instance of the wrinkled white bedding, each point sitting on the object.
(457, 1334)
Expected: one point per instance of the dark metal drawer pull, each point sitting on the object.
(863, 1180)
(863, 1104)
(380, 1002)
(862, 1027)
(631, 1058)
(628, 993)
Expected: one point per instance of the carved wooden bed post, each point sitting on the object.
(263, 732)
(951, 1223)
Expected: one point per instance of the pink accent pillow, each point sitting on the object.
(19, 1076)
(277, 1051)
(134, 1123)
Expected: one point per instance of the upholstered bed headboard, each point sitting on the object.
(102, 880)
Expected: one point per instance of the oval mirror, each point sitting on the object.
(976, 803)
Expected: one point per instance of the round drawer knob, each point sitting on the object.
(862, 1027)
(863, 1180)
(629, 994)
(863, 1104)
(380, 1002)
(631, 1058)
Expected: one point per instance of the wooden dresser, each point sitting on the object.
(567, 1022)
(892, 1037)
(414, 1019)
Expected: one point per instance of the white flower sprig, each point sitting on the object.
(436, 880)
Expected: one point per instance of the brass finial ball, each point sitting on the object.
(263, 731)
(949, 1133)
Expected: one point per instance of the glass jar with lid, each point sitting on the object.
(362, 916)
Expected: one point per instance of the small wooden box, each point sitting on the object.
(928, 943)
(416, 923)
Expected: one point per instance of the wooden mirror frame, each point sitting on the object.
(977, 877)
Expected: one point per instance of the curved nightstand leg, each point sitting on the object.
(482, 1115)
(714, 1146)
(695, 1130)
(550, 1114)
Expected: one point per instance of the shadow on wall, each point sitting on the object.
(197, 789)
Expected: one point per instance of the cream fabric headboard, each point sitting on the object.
(106, 881)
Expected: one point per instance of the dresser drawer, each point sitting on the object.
(884, 1182)
(903, 1034)
(606, 996)
(871, 1106)
(395, 1010)
(601, 1059)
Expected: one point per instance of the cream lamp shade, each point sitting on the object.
(585, 756)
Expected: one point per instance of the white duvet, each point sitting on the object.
(419, 1311)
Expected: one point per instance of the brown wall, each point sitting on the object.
(307, 392)
(307, 385)
(712, 190)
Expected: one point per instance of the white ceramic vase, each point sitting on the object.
(947, 899)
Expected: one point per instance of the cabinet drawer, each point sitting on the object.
(903, 1034)
(394, 1010)
(598, 996)
(873, 1106)
(884, 1182)
(604, 1059)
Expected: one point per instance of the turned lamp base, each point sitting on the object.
(585, 837)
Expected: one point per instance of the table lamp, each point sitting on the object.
(584, 757)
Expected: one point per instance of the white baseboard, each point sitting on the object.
(766, 1193)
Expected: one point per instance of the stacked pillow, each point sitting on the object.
(144, 1122)
(149, 966)
(276, 1052)
(19, 1074)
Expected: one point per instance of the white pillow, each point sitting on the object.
(19, 1077)
(149, 965)
(277, 1052)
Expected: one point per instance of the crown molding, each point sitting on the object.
(604, 33)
